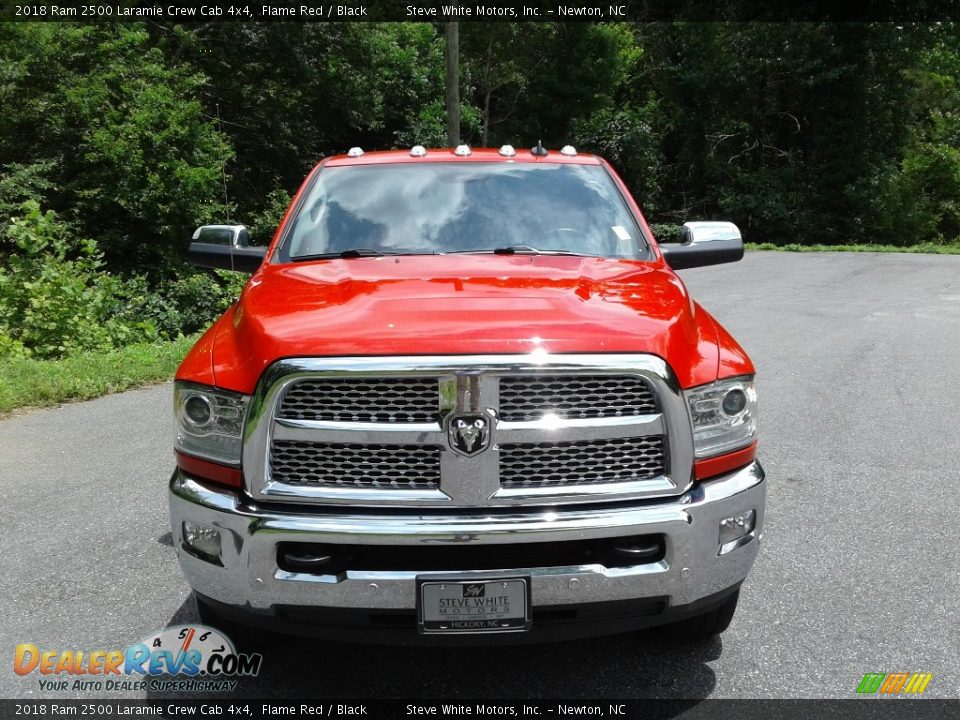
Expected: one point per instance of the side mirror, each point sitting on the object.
(225, 247)
(704, 243)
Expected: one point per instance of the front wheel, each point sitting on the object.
(705, 626)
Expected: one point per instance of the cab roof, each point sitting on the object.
(523, 155)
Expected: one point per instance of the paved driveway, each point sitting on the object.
(859, 359)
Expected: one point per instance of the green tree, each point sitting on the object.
(128, 154)
(787, 129)
(289, 94)
(919, 200)
(536, 81)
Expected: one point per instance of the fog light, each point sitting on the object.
(735, 527)
(202, 539)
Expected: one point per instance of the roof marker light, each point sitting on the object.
(462, 150)
(507, 150)
(569, 150)
(418, 151)
(355, 152)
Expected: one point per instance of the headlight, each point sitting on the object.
(724, 415)
(209, 422)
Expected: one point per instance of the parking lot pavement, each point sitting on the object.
(858, 358)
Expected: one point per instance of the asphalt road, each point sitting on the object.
(858, 358)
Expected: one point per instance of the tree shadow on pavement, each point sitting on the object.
(630, 666)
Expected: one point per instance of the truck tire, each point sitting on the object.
(706, 626)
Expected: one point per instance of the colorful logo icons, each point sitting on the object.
(894, 683)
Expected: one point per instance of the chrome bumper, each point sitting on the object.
(694, 565)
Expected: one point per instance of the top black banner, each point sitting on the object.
(215, 708)
(205, 11)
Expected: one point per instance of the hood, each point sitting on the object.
(456, 304)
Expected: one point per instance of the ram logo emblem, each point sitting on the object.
(468, 434)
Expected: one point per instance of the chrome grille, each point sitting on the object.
(362, 400)
(530, 397)
(381, 432)
(355, 465)
(581, 463)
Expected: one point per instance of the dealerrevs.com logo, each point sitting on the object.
(185, 657)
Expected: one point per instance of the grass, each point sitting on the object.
(25, 382)
(927, 248)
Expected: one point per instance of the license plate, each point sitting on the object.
(473, 606)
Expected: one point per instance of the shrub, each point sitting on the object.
(667, 232)
(189, 301)
(55, 297)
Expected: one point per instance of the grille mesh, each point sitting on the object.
(355, 465)
(362, 400)
(580, 462)
(525, 398)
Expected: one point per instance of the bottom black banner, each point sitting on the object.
(862, 709)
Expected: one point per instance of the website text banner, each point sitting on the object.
(221, 709)
(205, 11)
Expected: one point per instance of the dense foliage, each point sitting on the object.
(118, 140)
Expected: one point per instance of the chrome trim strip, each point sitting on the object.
(559, 430)
(399, 435)
(591, 491)
(355, 427)
(550, 586)
(554, 423)
(351, 495)
(544, 526)
(653, 568)
(469, 481)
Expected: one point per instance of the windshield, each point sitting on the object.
(463, 207)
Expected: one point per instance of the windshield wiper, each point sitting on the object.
(343, 254)
(527, 250)
(370, 252)
(518, 250)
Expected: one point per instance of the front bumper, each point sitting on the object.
(694, 570)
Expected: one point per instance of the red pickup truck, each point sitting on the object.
(465, 396)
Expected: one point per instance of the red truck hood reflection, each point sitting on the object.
(456, 304)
